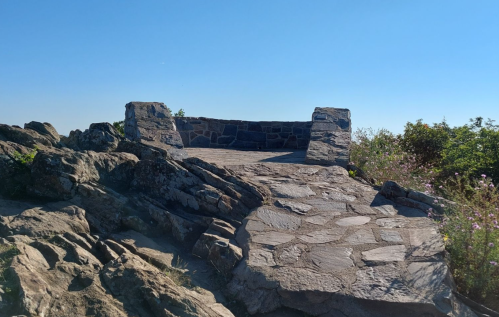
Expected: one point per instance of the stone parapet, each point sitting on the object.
(330, 138)
(216, 133)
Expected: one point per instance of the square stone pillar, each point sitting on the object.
(330, 138)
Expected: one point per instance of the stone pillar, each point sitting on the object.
(152, 123)
(330, 137)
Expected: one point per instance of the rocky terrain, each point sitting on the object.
(96, 224)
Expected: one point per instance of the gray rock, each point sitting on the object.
(390, 236)
(392, 222)
(99, 137)
(363, 210)
(151, 123)
(330, 259)
(353, 221)
(272, 238)
(327, 205)
(260, 257)
(46, 130)
(297, 207)
(302, 280)
(323, 236)
(391, 189)
(322, 219)
(426, 242)
(278, 220)
(361, 236)
(385, 254)
(291, 191)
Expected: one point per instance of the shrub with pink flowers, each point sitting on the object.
(471, 232)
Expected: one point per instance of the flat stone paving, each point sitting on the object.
(329, 245)
(237, 157)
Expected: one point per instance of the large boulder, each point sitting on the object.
(45, 129)
(152, 123)
(99, 137)
(26, 137)
(57, 172)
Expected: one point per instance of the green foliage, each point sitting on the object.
(473, 150)
(425, 142)
(352, 174)
(447, 161)
(472, 236)
(25, 159)
(380, 156)
(120, 126)
(7, 282)
(180, 113)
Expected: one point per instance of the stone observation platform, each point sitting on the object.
(329, 245)
(264, 216)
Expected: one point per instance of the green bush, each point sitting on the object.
(425, 142)
(180, 113)
(120, 126)
(380, 156)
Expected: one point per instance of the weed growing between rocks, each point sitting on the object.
(8, 287)
(25, 160)
(178, 276)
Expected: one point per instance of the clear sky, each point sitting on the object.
(72, 63)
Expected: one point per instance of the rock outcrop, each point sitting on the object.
(98, 225)
(96, 182)
(152, 123)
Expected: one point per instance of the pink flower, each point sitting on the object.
(442, 205)
(491, 185)
(491, 245)
(440, 186)
(494, 263)
(484, 176)
(456, 174)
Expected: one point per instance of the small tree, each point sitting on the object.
(180, 113)
(120, 126)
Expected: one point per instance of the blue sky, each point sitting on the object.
(72, 63)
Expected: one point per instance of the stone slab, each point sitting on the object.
(390, 236)
(291, 191)
(353, 221)
(385, 254)
(330, 259)
(272, 238)
(278, 220)
(323, 236)
(361, 236)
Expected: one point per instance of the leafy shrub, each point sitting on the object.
(380, 155)
(425, 142)
(120, 126)
(472, 236)
(473, 150)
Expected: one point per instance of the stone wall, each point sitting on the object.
(206, 132)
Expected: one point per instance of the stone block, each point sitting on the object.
(254, 126)
(275, 144)
(230, 129)
(251, 136)
(226, 140)
(214, 137)
(200, 141)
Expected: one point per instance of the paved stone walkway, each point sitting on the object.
(329, 245)
(238, 157)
